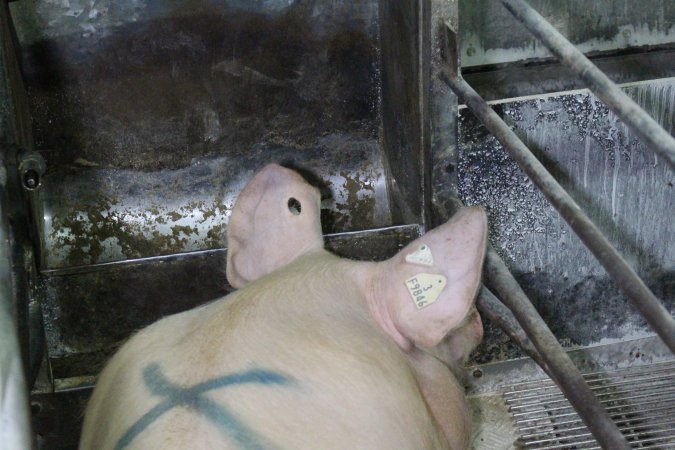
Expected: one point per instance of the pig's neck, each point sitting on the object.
(373, 281)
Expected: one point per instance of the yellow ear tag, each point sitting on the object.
(425, 288)
(421, 256)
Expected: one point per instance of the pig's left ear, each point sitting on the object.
(275, 219)
(428, 288)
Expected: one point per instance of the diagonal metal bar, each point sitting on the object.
(641, 123)
(523, 324)
(546, 347)
(617, 268)
(492, 308)
(559, 364)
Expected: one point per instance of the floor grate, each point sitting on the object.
(640, 400)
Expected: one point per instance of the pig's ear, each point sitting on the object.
(275, 219)
(428, 288)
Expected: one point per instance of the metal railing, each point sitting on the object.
(537, 340)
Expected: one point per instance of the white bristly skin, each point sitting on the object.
(346, 336)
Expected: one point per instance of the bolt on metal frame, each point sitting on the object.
(547, 351)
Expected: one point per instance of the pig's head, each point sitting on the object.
(276, 219)
(418, 296)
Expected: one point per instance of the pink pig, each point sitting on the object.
(312, 351)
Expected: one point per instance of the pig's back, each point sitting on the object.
(293, 361)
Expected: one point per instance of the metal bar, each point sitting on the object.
(567, 376)
(404, 231)
(594, 377)
(546, 354)
(546, 426)
(494, 309)
(561, 399)
(582, 427)
(623, 409)
(652, 427)
(647, 441)
(15, 129)
(565, 405)
(546, 349)
(612, 410)
(564, 372)
(623, 106)
(490, 306)
(14, 419)
(568, 442)
(598, 386)
(557, 396)
(617, 268)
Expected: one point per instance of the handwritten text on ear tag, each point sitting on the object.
(425, 288)
(421, 256)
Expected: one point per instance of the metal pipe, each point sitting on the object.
(566, 374)
(617, 268)
(611, 95)
(15, 131)
(521, 321)
(492, 308)
(14, 419)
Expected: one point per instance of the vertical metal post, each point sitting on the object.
(14, 418)
(15, 131)
(611, 95)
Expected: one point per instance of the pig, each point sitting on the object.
(311, 351)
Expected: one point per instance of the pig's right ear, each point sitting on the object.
(429, 287)
(276, 219)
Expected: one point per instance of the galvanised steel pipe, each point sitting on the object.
(558, 363)
(641, 123)
(495, 310)
(521, 321)
(617, 268)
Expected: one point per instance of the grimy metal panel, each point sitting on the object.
(97, 215)
(490, 35)
(150, 114)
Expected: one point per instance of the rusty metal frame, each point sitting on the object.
(525, 325)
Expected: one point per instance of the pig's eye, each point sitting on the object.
(294, 206)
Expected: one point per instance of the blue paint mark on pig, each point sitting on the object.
(194, 399)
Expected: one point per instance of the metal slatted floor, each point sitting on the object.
(641, 400)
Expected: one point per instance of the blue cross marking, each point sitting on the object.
(194, 399)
